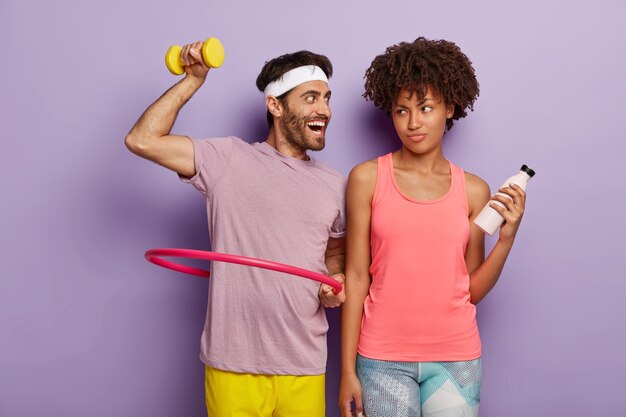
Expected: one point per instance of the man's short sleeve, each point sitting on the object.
(211, 159)
(338, 228)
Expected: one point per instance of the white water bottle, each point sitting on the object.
(489, 220)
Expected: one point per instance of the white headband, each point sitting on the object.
(294, 78)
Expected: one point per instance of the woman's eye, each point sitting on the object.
(401, 112)
(427, 109)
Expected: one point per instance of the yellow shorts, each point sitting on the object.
(231, 394)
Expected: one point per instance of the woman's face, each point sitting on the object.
(420, 123)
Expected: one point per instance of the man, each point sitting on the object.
(264, 341)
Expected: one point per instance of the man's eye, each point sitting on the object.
(310, 99)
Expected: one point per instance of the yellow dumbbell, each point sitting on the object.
(212, 54)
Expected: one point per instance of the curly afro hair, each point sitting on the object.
(415, 66)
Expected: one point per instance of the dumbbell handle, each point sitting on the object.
(212, 54)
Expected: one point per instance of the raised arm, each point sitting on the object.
(361, 184)
(150, 137)
(484, 273)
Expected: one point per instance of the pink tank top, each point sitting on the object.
(418, 308)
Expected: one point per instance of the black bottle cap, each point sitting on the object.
(527, 170)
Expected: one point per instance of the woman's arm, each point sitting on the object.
(361, 184)
(484, 273)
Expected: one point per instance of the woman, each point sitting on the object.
(416, 263)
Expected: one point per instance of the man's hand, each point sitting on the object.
(326, 295)
(191, 57)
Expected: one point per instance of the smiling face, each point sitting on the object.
(305, 116)
(420, 123)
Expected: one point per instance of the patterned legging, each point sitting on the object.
(419, 389)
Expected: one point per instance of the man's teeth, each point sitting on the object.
(319, 124)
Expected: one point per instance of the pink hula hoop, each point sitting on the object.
(154, 256)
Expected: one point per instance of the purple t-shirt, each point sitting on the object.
(263, 204)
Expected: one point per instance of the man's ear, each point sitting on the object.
(274, 106)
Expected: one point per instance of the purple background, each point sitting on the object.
(88, 328)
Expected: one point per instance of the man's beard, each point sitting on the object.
(295, 131)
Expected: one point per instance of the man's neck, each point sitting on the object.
(278, 142)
